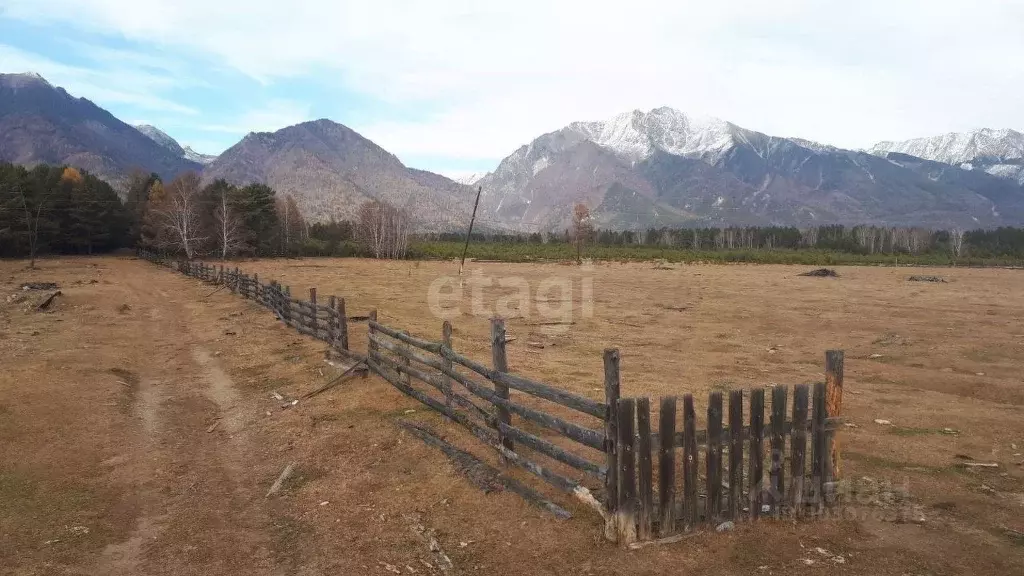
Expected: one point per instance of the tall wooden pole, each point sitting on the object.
(470, 233)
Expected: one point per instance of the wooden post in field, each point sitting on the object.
(714, 458)
(611, 398)
(314, 324)
(256, 287)
(343, 325)
(756, 464)
(500, 360)
(371, 346)
(286, 300)
(446, 381)
(834, 408)
(332, 321)
(237, 278)
(406, 363)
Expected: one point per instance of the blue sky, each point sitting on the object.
(456, 85)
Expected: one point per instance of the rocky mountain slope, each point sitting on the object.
(331, 170)
(40, 123)
(162, 138)
(998, 152)
(662, 167)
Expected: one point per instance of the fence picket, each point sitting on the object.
(714, 458)
(735, 453)
(667, 466)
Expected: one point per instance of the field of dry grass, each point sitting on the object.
(104, 415)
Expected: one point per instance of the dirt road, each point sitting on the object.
(139, 435)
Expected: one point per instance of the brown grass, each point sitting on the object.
(133, 462)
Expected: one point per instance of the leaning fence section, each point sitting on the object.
(764, 453)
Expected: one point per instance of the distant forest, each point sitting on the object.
(63, 210)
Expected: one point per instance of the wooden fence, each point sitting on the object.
(646, 483)
(329, 322)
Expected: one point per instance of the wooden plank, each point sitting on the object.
(434, 380)
(714, 458)
(798, 448)
(417, 342)
(611, 397)
(690, 504)
(667, 466)
(500, 361)
(446, 339)
(551, 450)
(834, 409)
(472, 467)
(626, 508)
(778, 440)
(567, 399)
(735, 454)
(645, 477)
(756, 451)
(819, 449)
(406, 361)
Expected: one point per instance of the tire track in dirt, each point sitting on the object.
(196, 512)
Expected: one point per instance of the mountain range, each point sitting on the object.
(636, 170)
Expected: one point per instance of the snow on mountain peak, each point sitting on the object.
(639, 134)
(959, 147)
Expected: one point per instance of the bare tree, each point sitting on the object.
(32, 209)
(956, 243)
(383, 229)
(231, 230)
(179, 214)
(582, 228)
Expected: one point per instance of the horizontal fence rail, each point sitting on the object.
(649, 472)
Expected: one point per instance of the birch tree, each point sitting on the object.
(179, 214)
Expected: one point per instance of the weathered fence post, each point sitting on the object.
(798, 443)
(237, 278)
(500, 361)
(667, 465)
(314, 323)
(690, 509)
(286, 301)
(220, 275)
(777, 471)
(611, 398)
(645, 468)
(756, 459)
(371, 346)
(819, 449)
(405, 361)
(256, 292)
(735, 453)
(332, 321)
(625, 512)
(342, 325)
(446, 381)
(834, 409)
(714, 458)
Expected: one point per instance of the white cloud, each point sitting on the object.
(494, 76)
(271, 116)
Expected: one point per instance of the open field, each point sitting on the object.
(110, 462)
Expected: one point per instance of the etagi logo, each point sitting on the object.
(550, 299)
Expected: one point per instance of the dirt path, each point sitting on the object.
(187, 502)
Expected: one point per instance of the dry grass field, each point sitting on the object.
(139, 435)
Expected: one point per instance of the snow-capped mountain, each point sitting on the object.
(468, 179)
(998, 152)
(638, 135)
(162, 138)
(663, 167)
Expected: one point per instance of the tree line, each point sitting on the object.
(60, 209)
